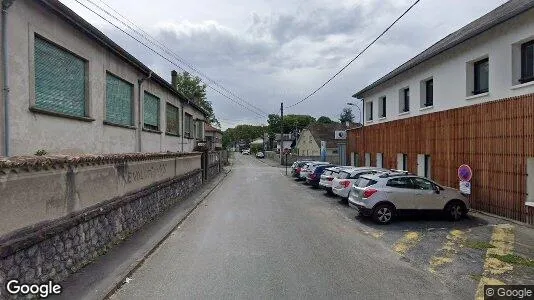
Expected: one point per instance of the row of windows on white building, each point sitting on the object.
(478, 83)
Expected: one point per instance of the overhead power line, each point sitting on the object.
(162, 46)
(356, 57)
(260, 114)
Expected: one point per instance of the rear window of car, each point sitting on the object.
(364, 182)
(344, 175)
(327, 172)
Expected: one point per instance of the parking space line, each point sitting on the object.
(445, 254)
(502, 239)
(407, 242)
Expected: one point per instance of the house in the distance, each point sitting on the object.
(309, 142)
(213, 137)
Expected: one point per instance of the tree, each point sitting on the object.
(242, 133)
(291, 122)
(325, 120)
(346, 115)
(194, 89)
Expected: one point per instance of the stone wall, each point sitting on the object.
(55, 248)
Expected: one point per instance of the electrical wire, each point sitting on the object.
(261, 115)
(356, 57)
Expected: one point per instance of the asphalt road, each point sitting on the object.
(258, 235)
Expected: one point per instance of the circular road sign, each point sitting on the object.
(465, 173)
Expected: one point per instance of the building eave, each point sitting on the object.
(81, 24)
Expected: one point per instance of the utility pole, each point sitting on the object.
(281, 130)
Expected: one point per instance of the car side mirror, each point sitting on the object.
(436, 189)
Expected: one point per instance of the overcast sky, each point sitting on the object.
(269, 51)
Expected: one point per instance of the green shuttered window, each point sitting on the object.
(172, 119)
(59, 79)
(118, 101)
(151, 111)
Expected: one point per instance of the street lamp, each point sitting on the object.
(360, 115)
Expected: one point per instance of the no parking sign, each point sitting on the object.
(465, 174)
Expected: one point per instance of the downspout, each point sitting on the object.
(5, 86)
(139, 125)
(183, 125)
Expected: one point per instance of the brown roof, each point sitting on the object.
(209, 128)
(326, 132)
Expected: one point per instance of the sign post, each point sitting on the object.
(323, 151)
(465, 174)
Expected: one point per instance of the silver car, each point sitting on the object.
(383, 196)
(328, 175)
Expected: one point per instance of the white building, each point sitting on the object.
(488, 55)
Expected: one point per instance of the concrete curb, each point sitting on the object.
(526, 225)
(121, 280)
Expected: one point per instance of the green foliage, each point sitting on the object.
(245, 133)
(325, 120)
(514, 259)
(255, 148)
(346, 115)
(291, 122)
(41, 152)
(194, 89)
(481, 245)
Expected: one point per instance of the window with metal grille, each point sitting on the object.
(527, 62)
(59, 79)
(188, 125)
(172, 119)
(481, 76)
(119, 99)
(151, 111)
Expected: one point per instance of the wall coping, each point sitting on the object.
(32, 163)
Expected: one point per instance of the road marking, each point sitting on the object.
(445, 254)
(503, 240)
(407, 242)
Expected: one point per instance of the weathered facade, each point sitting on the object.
(73, 90)
(468, 99)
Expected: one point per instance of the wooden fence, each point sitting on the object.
(494, 139)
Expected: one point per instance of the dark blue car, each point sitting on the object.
(315, 176)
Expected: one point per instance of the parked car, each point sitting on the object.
(260, 155)
(315, 174)
(306, 169)
(246, 152)
(384, 196)
(325, 182)
(343, 183)
(297, 166)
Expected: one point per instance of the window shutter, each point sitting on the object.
(118, 101)
(59, 79)
(151, 110)
(172, 119)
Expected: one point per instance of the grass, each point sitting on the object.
(480, 245)
(514, 259)
(476, 277)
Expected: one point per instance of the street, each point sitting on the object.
(260, 234)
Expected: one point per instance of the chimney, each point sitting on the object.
(174, 79)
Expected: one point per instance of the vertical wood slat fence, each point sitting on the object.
(494, 139)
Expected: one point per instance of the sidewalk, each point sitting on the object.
(102, 277)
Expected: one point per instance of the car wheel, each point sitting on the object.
(383, 213)
(455, 210)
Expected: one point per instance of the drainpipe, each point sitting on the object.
(139, 125)
(5, 88)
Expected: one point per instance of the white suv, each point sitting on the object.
(383, 196)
